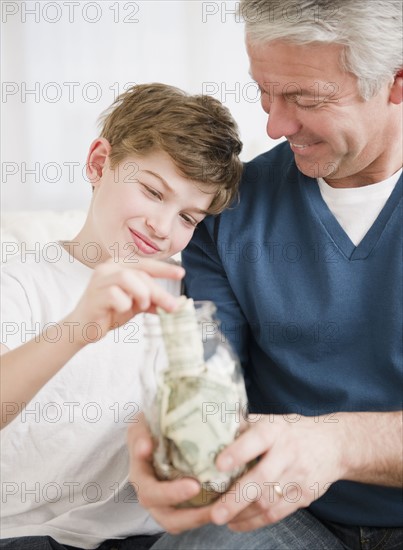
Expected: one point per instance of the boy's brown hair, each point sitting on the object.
(196, 131)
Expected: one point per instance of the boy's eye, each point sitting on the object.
(153, 192)
(189, 220)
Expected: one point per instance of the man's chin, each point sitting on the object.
(316, 169)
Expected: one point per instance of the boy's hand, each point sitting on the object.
(161, 497)
(117, 291)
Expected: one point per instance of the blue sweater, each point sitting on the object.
(315, 320)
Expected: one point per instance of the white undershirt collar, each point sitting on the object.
(356, 208)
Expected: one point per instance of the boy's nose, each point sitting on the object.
(160, 226)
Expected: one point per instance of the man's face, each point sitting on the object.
(332, 131)
(145, 207)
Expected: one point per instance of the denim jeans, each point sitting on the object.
(141, 542)
(300, 531)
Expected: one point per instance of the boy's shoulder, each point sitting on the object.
(22, 261)
(37, 289)
(41, 272)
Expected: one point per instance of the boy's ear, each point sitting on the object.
(98, 154)
(396, 91)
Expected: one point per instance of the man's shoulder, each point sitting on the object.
(267, 172)
(264, 179)
(275, 162)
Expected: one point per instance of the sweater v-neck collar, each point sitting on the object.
(310, 189)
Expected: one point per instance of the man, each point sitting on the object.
(306, 275)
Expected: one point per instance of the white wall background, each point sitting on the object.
(64, 62)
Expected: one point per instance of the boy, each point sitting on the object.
(163, 161)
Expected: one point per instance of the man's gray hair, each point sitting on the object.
(369, 30)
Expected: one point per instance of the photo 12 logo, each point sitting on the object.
(54, 92)
(70, 412)
(70, 12)
(72, 491)
(287, 10)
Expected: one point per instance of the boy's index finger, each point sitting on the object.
(155, 268)
(159, 269)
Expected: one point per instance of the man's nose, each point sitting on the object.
(283, 119)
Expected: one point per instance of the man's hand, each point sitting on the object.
(300, 457)
(161, 497)
(117, 291)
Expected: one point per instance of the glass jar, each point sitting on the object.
(194, 396)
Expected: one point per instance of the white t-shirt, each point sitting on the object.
(64, 467)
(356, 208)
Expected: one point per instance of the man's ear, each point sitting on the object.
(396, 91)
(97, 158)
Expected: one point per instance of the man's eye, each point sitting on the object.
(309, 105)
(306, 106)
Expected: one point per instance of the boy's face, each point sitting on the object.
(145, 207)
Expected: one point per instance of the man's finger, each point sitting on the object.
(252, 488)
(248, 446)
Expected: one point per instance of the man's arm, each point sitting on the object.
(375, 453)
(206, 279)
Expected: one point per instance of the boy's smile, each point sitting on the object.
(144, 244)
